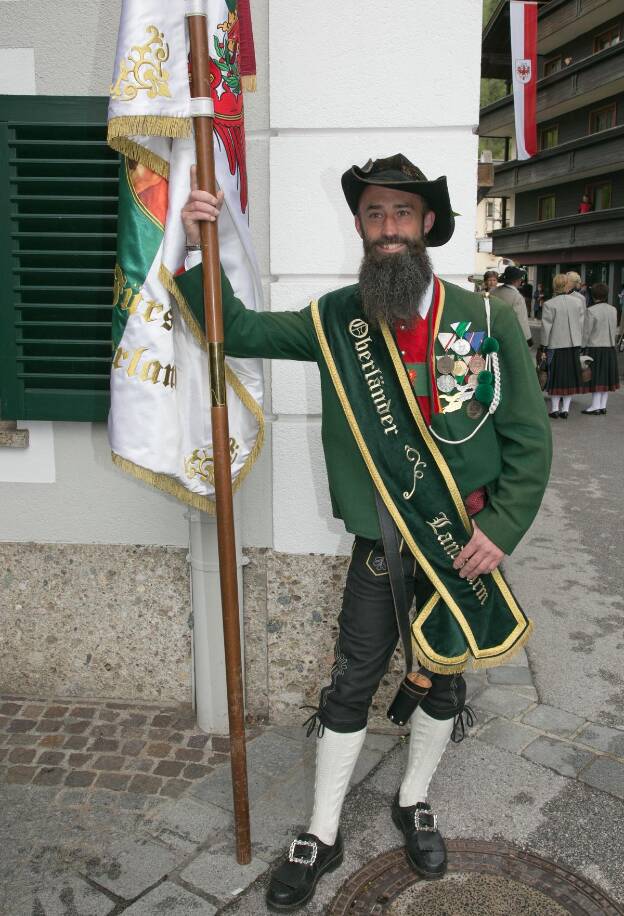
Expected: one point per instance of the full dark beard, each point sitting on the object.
(393, 285)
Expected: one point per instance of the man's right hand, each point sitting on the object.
(200, 205)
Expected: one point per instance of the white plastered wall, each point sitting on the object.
(368, 81)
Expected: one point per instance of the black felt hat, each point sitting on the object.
(511, 274)
(399, 173)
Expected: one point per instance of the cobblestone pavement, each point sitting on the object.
(143, 750)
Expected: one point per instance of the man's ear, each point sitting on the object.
(428, 221)
(358, 226)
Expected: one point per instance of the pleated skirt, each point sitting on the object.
(564, 371)
(605, 375)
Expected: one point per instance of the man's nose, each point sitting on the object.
(390, 224)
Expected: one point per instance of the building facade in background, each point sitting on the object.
(98, 600)
(563, 209)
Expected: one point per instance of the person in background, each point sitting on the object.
(574, 285)
(562, 334)
(509, 292)
(586, 292)
(526, 291)
(620, 305)
(538, 300)
(585, 205)
(490, 281)
(599, 338)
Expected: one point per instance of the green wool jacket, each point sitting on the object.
(510, 455)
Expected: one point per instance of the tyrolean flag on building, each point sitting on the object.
(523, 20)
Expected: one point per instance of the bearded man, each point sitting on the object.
(438, 450)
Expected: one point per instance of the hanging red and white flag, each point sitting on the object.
(523, 19)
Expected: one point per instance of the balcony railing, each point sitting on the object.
(601, 229)
(584, 157)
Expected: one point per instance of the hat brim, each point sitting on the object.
(354, 183)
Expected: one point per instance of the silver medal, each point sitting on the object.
(446, 383)
(461, 347)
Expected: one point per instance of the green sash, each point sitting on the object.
(457, 618)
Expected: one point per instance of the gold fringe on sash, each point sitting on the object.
(249, 82)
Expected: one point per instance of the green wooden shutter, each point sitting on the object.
(58, 221)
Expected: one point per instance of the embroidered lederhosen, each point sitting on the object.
(457, 618)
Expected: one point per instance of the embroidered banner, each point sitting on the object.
(159, 423)
(457, 617)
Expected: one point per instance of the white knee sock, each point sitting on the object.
(554, 405)
(596, 399)
(336, 756)
(603, 399)
(566, 403)
(428, 740)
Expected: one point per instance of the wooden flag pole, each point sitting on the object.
(211, 273)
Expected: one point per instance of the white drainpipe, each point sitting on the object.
(209, 691)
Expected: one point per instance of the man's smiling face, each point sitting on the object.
(387, 219)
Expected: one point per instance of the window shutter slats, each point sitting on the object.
(59, 190)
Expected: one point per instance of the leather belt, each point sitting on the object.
(392, 550)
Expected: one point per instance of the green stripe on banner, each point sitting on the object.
(139, 241)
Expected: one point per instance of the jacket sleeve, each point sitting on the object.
(548, 316)
(588, 322)
(523, 433)
(269, 335)
(519, 306)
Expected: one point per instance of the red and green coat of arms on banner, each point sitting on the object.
(227, 94)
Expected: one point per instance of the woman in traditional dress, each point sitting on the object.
(599, 338)
(562, 334)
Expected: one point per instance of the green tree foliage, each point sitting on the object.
(491, 91)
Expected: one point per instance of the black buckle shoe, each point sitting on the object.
(424, 845)
(293, 883)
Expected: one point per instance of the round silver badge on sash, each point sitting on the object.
(446, 383)
(461, 347)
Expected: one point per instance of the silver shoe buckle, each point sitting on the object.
(299, 859)
(426, 828)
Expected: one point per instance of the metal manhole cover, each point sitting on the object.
(484, 879)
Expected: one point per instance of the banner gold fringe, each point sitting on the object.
(165, 483)
(249, 82)
(149, 126)
(146, 157)
(475, 664)
(168, 281)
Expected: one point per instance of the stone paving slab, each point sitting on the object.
(217, 872)
(510, 736)
(555, 721)
(501, 701)
(511, 675)
(170, 899)
(560, 756)
(130, 865)
(606, 774)
(602, 738)
(68, 895)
